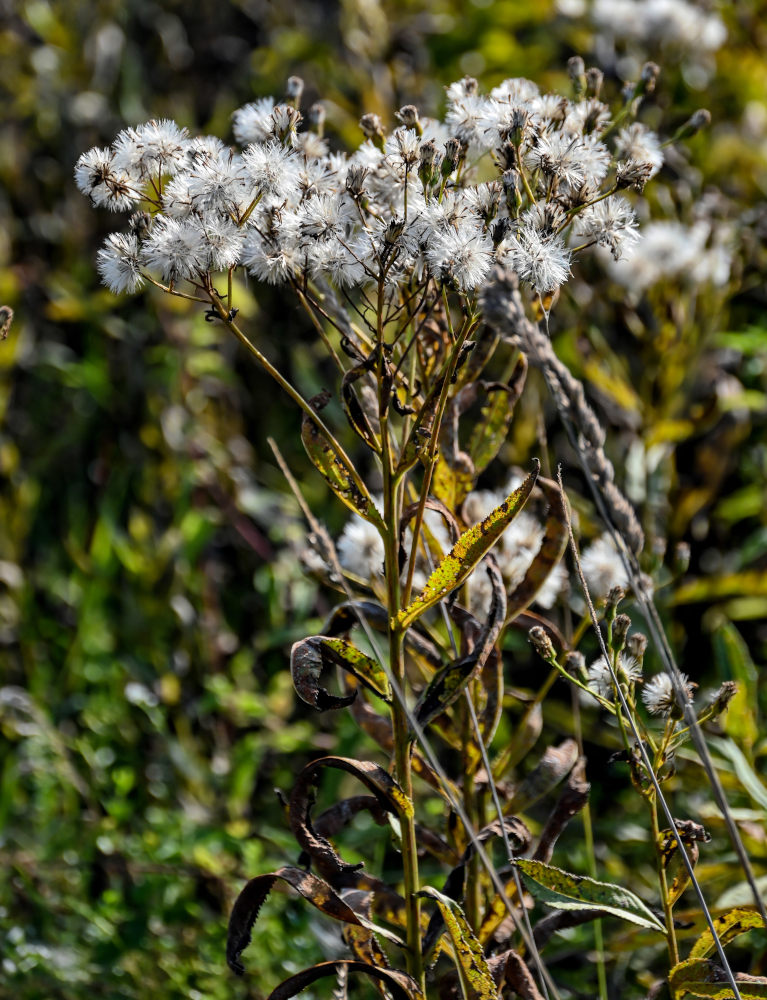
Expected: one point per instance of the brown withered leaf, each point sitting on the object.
(362, 942)
(448, 683)
(379, 728)
(572, 799)
(252, 897)
(510, 969)
(399, 984)
(554, 765)
(384, 788)
(551, 551)
(310, 656)
(416, 446)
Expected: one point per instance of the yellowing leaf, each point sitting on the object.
(472, 545)
(727, 926)
(476, 978)
(564, 891)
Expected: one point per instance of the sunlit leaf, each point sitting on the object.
(564, 891)
(727, 926)
(336, 473)
(476, 978)
(467, 552)
(699, 977)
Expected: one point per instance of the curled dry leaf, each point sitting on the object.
(380, 783)
(310, 656)
(554, 765)
(552, 549)
(572, 799)
(252, 897)
(344, 617)
(467, 552)
(399, 984)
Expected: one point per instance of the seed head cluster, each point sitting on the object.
(516, 177)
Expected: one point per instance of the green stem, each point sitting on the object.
(294, 394)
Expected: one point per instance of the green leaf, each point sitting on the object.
(727, 926)
(476, 978)
(473, 544)
(564, 891)
(734, 662)
(335, 471)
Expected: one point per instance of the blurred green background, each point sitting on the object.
(149, 582)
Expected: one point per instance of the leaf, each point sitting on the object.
(492, 428)
(564, 891)
(399, 984)
(555, 764)
(448, 683)
(454, 888)
(355, 414)
(677, 876)
(476, 977)
(345, 616)
(252, 897)
(552, 549)
(308, 658)
(699, 977)
(416, 446)
(334, 470)
(727, 926)
(572, 799)
(734, 662)
(388, 793)
(467, 552)
(745, 773)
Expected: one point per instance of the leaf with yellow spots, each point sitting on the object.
(564, 891)
(476, 979)
(728, 925)
(472, 545)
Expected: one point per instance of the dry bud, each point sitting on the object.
(621, 627)
(636, 645)
(6, 318)
(294, 87)
(408, 116)
(576, 67)
(542, 644)
(722, 698)
(698, 120)
(575, 664)
(594, 80)
(633, 175)
(373, 129)
(648, 79)
(453, 154)
(316, 117)
(681, 558)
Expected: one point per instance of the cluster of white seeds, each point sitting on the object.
(514, 176)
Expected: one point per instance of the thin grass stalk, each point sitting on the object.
(645, 757)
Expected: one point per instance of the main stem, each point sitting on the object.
(400, 728)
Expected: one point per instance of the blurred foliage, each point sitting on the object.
(149, 585)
